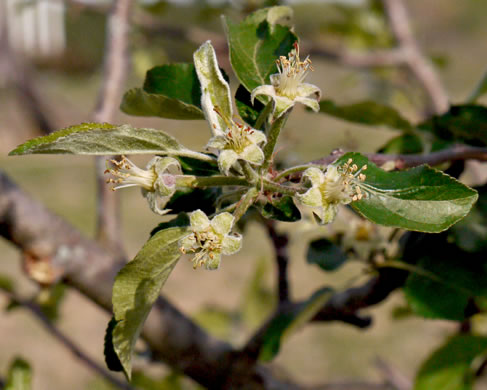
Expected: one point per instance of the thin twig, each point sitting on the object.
(402, 161)
(114, 73)
(280, 243)
(66, 341)
(393, 376)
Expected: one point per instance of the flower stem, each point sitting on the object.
(263, 115)
(245, 202)
(211, 181)
(272, 137)
(297, 168)
(286, 190)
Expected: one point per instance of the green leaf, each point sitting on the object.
(137, 102)
(421, 198)
(257, 42)
(367, 113)
(193, 166)
(137, 287)
(325, 254)
(284, 324)
(170, 91)
(480, 89)
(450, 366)
(246, 110)
(19, 375)
(103, 139)
(111, 359)
(463, 124)
(282, 209)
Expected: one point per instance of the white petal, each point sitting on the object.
(306, 89)
(156, 202)
(257, 136)
(231, 244)
(253, 154)
(226, 159)
(315, 175)
(267, 90)
(165, 164)
(275, 79)
(222, 223)
(199, 221)
(213, 263)
(312, 197)
(329, 213)
(188, 242)
(217, 142)
(281, 105)
(308, 102)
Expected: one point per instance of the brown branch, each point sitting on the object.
(418, 65)
(352, 386)
(114, 73)
(280, 243)
(342, 306)
(84, 264)
(66, 341)
(402, 161)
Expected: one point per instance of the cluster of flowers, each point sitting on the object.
(233, 142)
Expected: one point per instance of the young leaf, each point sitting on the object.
(138, 285)
(450, 366)
(282, 209)
(170, 91)
(284, 324)
(19, 376)
(325, 254)
(421, 198)
(367, 113)
(257, 42)
(106, 139)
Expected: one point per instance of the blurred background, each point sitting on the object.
(51, 53)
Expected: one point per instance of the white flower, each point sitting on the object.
(338, 185)
(210, 239)
(288, 87)
(233, 140)
(238, 142)
(158, 180)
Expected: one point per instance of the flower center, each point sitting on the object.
(341, 183)
(292, 72)
(237, 136)
(128, 175)
(207, 243)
